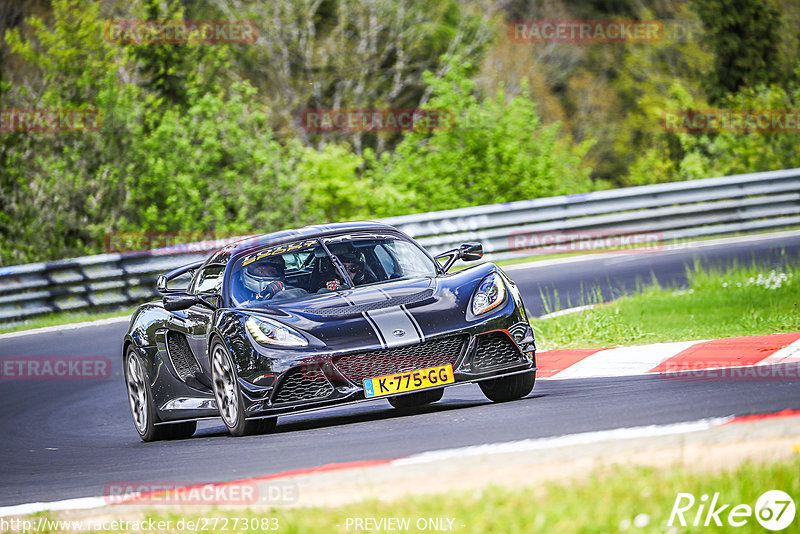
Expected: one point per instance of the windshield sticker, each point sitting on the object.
(281, 249)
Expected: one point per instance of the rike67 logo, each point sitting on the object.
(774, 510)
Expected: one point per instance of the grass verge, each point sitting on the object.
(739, 301)
(62, 318)
(609, 499)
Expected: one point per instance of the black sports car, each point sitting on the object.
(305, 319)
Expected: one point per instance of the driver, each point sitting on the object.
(266, 278)
(355, 266)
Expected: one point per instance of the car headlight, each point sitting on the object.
(490, 294)
(268, 332)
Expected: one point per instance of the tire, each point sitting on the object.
(508, 388)
(140, 399)
(229, 398)
(420, 398)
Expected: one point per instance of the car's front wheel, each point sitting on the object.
(420, 398)
(229, 396)
(140, 399)
(507, 388)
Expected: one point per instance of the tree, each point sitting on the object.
(497, 150)
(323, 54)
(62, 191)
(744, 35)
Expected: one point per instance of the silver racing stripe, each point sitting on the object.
(364, 297)
(417, 327)
(377, 330)
(391, 320)
(388, 322)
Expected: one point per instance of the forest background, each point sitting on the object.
(209, 138)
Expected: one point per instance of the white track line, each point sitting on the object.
(84, 503)
(72, 326)
(585, 438)
(525, 445)
(569, 311)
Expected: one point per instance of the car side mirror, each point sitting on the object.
(181, 273)
(466, 252)
(179, 301)
(470, 251)
(161, 284)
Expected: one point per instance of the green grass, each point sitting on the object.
(609, 499)
(735, 302)
(61, 318)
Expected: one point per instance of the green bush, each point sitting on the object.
(497, 150)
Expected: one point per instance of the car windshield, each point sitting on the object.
(296, 270)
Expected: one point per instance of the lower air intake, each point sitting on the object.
(493, 350)
(303, 384)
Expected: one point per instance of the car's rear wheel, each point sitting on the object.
(507, 388)
(140, 399)
(229, 396)
(420, 398)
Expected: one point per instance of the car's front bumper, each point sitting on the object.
(322, 381)
(331, 380)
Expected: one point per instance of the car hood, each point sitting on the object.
(356, 301)
(384, 315)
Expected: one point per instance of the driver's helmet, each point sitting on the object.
(259, 275)
(354, 264)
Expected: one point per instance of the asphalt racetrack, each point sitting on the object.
(68, 439)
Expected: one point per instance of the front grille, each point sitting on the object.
(354, 309)
(357, 367)
(495, 349)
(302, 384)
(181, 355)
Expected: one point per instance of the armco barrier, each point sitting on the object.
(678, 210)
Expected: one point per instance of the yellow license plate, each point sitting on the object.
(408, 381)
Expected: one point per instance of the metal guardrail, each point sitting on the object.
(668, 211)
(660, 212)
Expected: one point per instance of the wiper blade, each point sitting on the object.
(338, 265)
